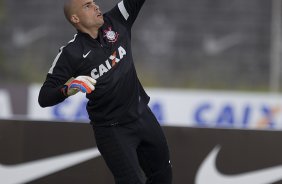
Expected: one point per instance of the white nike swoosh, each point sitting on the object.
(208, 173)
(26, 172)
(85, 55)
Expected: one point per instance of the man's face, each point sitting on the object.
(88, 14)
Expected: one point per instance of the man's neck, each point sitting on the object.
(92, 32)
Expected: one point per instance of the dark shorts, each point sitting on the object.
(126, 148)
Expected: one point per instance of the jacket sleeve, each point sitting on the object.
(61, 71)
(128, 10)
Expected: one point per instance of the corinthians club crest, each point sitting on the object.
(111, 35)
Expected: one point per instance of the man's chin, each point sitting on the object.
(101, 22)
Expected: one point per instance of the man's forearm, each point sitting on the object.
(49, 96)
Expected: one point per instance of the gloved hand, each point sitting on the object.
(83, 84)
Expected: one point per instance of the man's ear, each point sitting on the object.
(74, 19)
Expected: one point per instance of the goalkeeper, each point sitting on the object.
(98, 61)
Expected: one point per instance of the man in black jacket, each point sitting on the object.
(98, 61)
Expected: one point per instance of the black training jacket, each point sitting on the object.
(108, 59)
